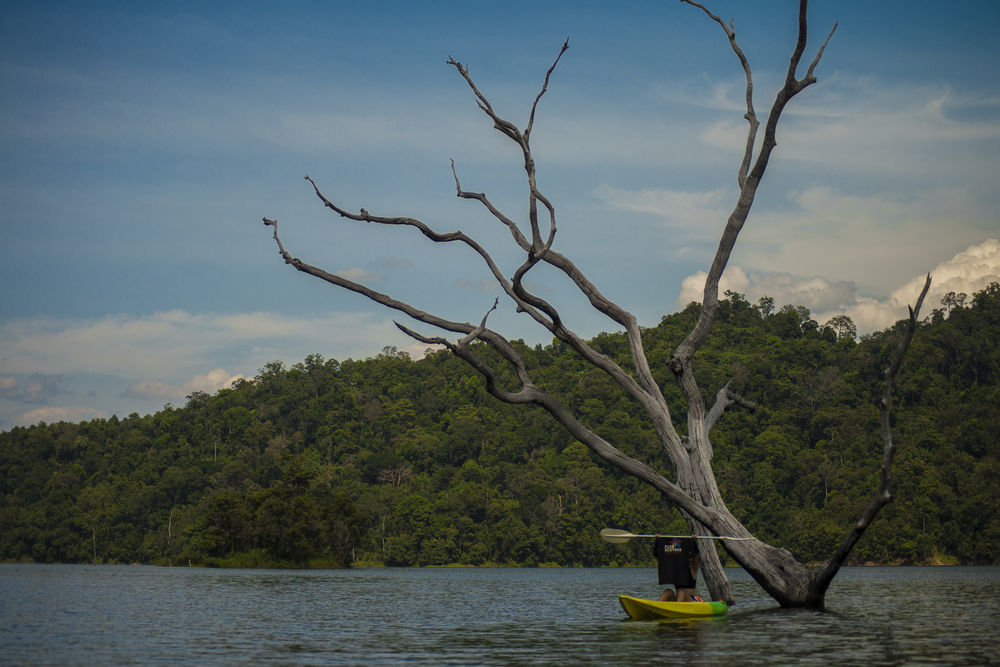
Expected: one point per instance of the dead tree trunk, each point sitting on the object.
(694, 490)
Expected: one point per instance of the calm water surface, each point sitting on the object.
(79, 614)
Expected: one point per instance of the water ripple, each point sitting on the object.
(142, 615)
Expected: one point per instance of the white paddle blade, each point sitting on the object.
(616, 536)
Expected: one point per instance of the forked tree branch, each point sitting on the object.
(497, 213)
(725, 399)
(646, 390)
(478, 331)
(680, 361)
(637, 390)
(538, 248)
(530, 393)
(750, 115)
(459, 236)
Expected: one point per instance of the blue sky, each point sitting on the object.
(142, 144)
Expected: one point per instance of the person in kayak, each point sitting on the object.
(677, 564)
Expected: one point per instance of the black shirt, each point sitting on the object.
(673, 558)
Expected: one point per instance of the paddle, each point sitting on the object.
(616, 536)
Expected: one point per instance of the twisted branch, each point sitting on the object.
(644, 388)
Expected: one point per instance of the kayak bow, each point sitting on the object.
(638, 608)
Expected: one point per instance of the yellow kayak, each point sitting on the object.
(653, 609)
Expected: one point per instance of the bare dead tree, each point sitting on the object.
(396, 474)
(694, 489)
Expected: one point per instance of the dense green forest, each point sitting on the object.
(399, 462)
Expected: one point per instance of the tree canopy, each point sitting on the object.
(400, 462)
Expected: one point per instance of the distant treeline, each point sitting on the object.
(402, 462)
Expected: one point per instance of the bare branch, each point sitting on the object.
(538, 250)
(484, 200)
(530, 393)
(545, 87)
(750, 115)
(377, 297)
(883, 495)
(537, 308)
(748, 190)
(281, 249)
(800, 43)
(437, 237)
(505, 126)
(725, 399)
(819, 54)
(478, 331)
(800, 46)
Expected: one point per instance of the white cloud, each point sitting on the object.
(208, 383)
(32, 389)
(967, 272)
(908, 173)
(55, 414)
(94, 364)
(814, 293)
(882, 181)
(693, 287)
(99, 360)
(865, 212)
(35, 392)
(606, 136)
(875, 241)
(417, 350)
(868, 314)
(211, 382)
(173, 345)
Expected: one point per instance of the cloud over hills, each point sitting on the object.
(967, 272)
(141, 362)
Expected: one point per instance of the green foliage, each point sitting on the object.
(402, 462)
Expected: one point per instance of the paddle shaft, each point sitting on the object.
(619, 536)
(697, 537)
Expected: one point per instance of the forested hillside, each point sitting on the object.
(402, 462)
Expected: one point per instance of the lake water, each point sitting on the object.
(81, 614)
